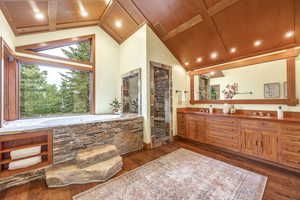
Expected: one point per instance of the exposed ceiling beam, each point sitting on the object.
(183, 27)
(52, 13)
(297, 21)
(58, 26)
(211, 23)
(221, 5)
(7, 16)
(108, 7)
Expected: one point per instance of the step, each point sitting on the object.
(69, 173)
(95, 155)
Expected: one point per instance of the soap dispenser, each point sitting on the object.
(280, 113)
(211, 109)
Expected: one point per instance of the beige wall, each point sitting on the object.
(158, 52)
(133, 55)
(264, 107)
(107, 60)
(137, 52)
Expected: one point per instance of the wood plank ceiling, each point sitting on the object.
(200, 33)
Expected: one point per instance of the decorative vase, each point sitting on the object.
(226, 108)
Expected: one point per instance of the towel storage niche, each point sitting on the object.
(13, 142)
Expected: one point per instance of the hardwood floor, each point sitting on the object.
(281, 185)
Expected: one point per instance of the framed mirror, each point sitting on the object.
(132, 92)
(271, 82)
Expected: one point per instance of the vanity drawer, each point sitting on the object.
(230, 144)
(290, 129)
(290, 147)
(290, 159)
(221, 127)
(259, 124)
(233, 137)
(223, 121)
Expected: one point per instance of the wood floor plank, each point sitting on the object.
(281, 185)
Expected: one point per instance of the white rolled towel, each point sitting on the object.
(24, 163)
(22, 153)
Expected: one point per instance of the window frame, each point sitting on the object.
(91, 70)
(33, 48)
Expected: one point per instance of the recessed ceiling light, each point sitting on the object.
(39, 16)
(257, 43)
(199, 60)
(214, 55)
(84, 13)
(233, 50)
(186, 63)
(289, 34)
(212, 73)
(118, 23)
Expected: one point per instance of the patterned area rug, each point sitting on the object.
(183, 175)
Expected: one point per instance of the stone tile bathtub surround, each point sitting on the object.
(125, 133)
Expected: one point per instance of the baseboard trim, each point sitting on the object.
(147, 146)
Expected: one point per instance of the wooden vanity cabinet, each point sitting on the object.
(181, 125)
(195, 128)
(275, 141)
(290, 144)
(260, 139)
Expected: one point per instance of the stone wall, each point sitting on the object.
(160, 111)
(126, 134)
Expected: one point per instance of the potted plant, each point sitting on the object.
(116, 106)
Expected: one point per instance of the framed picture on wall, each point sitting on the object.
(272, 90)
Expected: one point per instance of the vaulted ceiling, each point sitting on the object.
(199, 33)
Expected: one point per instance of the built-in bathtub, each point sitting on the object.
(30, 124)
(73, 134)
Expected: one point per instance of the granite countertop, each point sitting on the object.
(272, 118)
(29, 125)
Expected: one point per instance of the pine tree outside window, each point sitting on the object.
(54, 91)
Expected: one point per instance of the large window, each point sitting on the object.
(52, 91)
(78, 49)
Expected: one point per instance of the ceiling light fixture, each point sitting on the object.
(214, 55)
(39, 16)
(233, 50)
(84, 13)
(186, 63)
(257, 43)
(212, 73)
(199, 60)
(289, 34)
(119, 23)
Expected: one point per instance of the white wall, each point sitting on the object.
(6, 32)
(137, 52)
(107, 60)
(133, 55)
(260, 106)
(158, 52)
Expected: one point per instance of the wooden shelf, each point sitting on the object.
(23, 147)
(7, 161)
(9, 143)
(6, 173)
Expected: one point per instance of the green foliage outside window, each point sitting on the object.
(40, 98)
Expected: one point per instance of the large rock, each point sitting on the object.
(95, 155)
(70, 173)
